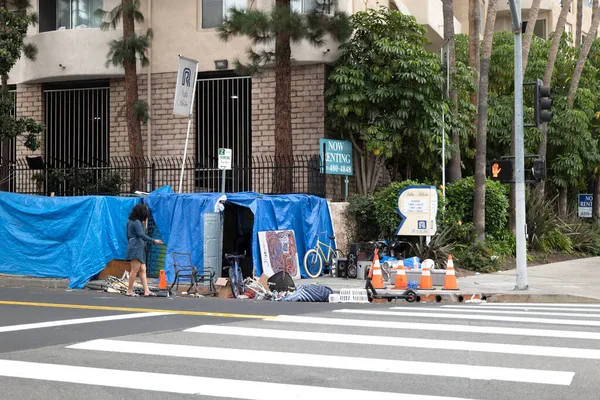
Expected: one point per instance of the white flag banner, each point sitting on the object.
(186, 86)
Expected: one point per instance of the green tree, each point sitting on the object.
(15, 19)
(482, 118)
(125, 52)
(385, 95)
(282, 26)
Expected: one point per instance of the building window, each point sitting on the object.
(306, 6)
(539, 29)
(214, 10)
(69, 14)
(588, 3)
(569, 30)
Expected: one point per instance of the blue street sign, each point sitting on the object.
(338, 156)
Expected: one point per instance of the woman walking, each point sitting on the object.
(136, 247)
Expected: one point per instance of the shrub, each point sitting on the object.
(386, 204)
(478, 257)
(438, 248)
(503, 245)
(585, 237)
(361, 208)
(546, 231)
(459, 207)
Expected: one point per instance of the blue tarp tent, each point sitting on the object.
(62, 237)
(179, 217)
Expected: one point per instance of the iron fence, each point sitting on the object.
(124, 175)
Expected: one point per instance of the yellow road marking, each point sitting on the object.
(132, 309)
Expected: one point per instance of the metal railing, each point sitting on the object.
(123, 176)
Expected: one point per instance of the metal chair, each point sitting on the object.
(184, 268)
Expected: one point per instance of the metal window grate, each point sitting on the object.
(77, 127)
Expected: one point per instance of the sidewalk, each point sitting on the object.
(568, 281)
(16, 281)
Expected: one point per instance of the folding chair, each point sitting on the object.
(184, 268)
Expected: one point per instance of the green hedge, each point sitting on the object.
(459, 207)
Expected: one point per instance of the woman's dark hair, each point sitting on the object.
(139, 211)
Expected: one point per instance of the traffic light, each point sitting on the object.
(501, 170)
(542, 103)
(539, 170)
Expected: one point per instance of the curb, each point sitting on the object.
(446, 297)
(17, 281)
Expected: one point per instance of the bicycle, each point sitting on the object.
(236, 279)
(315, 257)
(387, 254)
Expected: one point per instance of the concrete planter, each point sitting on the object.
(438, 276)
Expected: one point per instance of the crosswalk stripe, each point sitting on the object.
(563, 305)
(193, 385)
(392, 341)
(486, 310)
(497, 330)
(77, 321)
(471, 317)
(561, 309)
(562, 378)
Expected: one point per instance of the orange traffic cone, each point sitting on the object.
(401, 282)
(162, 283)
(426, 281)
(376, 277)
(450, 281)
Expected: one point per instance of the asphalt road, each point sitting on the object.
(74, 345)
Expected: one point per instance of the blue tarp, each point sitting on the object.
(74, 237)
(62, 237)
(179, 217)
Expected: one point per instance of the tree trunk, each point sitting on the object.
(134, 129)
(5, 156)
(474, 29)
(596, 203)
(283, 108)
(579, 23)
(583, 53)
(531, 20)
(560, 27)
(454, 167)
(562, 202)
(481, 146)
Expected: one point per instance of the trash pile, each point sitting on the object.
(282, 288)
(112, 284)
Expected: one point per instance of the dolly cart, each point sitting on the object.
(409, 295)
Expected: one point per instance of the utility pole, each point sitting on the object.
(515, 10)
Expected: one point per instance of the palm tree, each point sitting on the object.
(474, 42)
(531, 20)
(481, 146)
(583, 53)
(124, 52)
(282, 26)
(553, 52)
(454, 167)
(579, 23)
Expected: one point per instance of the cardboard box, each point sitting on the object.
(115, 268)
(223, 288)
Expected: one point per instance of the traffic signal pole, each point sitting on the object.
(515, 10)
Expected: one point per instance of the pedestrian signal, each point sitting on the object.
(501, 170)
